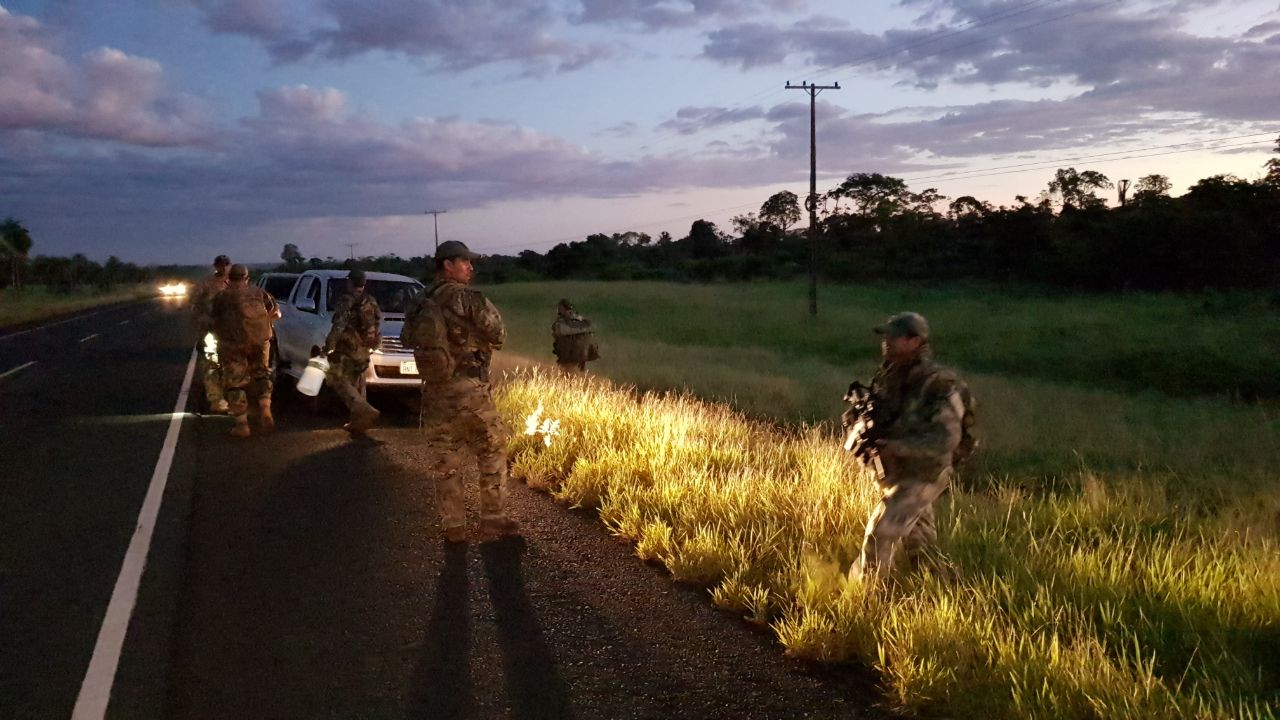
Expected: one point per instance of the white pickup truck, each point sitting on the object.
(308, 315)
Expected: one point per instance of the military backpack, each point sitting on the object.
(427, 331)
(245, 315)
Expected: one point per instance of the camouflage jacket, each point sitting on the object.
(357, 325)
(923, 409)
(228, 322)
(202, 301)
(475, 326)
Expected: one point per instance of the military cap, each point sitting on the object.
(356, 278)
(452, 250)
(238, 272)
(221, 261)
(905, 324)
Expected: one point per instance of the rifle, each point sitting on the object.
(863, 425)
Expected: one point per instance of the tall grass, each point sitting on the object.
(1105, 598)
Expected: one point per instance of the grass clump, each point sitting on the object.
(1113, 596)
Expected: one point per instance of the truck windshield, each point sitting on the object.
(393, 296)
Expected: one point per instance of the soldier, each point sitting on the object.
(573, 339)
(454, 330)
(202, 314)
(356, 332)
(242, 320)
(921, 411)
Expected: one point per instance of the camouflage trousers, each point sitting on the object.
(459, 420)
(904, 517)
(245, 371)
(346, 379)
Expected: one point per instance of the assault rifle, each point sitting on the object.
(863, 425)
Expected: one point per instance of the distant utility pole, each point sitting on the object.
(351, 249)
(435, 219)
(812, 202)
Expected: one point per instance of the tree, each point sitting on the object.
(781, 209)
(704, 240)
(1151, 187)
(291, 255)
(872, 194)
(1273, 169)
(15, 243)
(967, 206)
(1078, 189)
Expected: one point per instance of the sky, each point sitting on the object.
(170, 131)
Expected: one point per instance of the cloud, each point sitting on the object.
(107, 95)
(1108, 51)
(537, 35)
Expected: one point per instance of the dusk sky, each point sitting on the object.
(168, 131)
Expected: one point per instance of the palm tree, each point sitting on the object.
(15, 243)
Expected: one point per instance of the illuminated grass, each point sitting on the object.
(1105, 599)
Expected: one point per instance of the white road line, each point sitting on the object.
(21, 367)
(124, 322)
(95, 691)
(89, 337)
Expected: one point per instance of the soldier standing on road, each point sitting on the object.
(356, 332)
(573, 339)
(242, 320)
(202, 313)
(454, 330)
(921, 409)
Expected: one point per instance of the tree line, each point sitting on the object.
(61, 274)
(1223, 233)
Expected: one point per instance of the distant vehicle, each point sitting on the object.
(308, 315)
(279, 284)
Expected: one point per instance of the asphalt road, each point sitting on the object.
(301, 575)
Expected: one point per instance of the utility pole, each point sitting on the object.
(812, 202)
(351, 249)
(435, 219)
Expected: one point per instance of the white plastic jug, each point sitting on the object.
(313, 377)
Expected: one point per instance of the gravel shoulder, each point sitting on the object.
(318, 586)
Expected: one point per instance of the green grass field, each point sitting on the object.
(1112, 551)
(38, 302)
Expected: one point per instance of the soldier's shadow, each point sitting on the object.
(443, 682)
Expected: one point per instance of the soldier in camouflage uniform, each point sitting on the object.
(244, 348)
(573, 340)
(356, 332)
(920, 408)
(458, 413)
(202, 315)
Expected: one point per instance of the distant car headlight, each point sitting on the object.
(173, 289)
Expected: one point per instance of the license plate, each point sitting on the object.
(408, 367)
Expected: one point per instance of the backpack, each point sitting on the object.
(367, 327)
(574, 341)
(247, 319)
(427, 332)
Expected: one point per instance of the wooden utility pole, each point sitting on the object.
(812, 202)
(351, 249)
(435, 219)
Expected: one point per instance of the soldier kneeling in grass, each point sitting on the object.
(919, 429)
(573, 339)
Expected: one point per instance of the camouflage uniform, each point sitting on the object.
(356, 332)
(459, 417)
(566, 340)
(245, 366)
(202, 314)
(923, 409)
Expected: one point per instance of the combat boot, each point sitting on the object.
(265, 420)
(497, 527)
(362, 421)
(456, 534)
